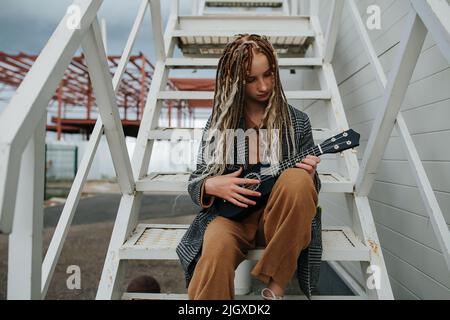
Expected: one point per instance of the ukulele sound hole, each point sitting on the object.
(252, 175)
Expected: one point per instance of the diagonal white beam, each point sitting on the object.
(409, 50)
(333, 29)
(361, 29)
(435, 14)
(431, 204)
(25, 241)
(155, 11)
(22, 115)
(60, 234)
(99, 73)
(128, 213)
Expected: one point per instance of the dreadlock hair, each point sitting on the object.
(229, 103)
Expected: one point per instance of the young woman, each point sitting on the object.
(249, 95)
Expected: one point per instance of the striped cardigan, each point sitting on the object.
(189, 248)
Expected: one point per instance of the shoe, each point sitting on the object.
(268, 294)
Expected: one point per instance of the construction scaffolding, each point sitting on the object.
(73, 109)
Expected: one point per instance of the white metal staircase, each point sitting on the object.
(200, 38)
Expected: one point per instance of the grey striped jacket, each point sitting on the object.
(189, 248)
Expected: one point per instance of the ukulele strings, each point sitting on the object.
(287, 163)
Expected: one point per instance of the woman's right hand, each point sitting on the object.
(228, 187)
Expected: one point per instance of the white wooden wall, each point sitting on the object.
(416, 266)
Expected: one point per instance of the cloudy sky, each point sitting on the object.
(26, 26)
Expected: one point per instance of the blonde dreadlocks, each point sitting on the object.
(229, 102)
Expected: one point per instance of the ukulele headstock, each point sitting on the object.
(341, 142)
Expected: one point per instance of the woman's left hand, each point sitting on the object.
(309, 164)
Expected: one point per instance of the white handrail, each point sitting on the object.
(28, 104)
(435, 14)
(432, 206)
(62, 228)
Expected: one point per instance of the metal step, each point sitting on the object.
(211, 63)
(176, 183)
(159, 242)
(279, 13)
(209, 95)
(174, 296)
(189, 134)
(207, 35)
(244, 4)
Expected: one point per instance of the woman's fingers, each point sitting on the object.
(316, 159)
(310, 161)
(235, 173)
(243, 199)
(246, 181)
(305, 166)
(236, 203)
(247, 192)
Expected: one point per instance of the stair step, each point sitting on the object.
(211, 63)
(175, 296)
(207, 35)
(244, 4)
(277, 34)
(159, 242)
(209, 95)
(176, 183)
(278, 13)
(241, 24)
(189, 134)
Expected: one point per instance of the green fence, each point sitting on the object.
(61, 165)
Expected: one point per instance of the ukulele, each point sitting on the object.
(268, 174)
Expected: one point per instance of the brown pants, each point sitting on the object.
(283, 226)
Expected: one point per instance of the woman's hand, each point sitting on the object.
(227, 187)
(309, 164)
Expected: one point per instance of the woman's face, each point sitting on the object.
(260, 81)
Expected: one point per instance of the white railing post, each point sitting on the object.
(432, 206)
(99, 73)
(128, 212)
(169, 42)
(409, 51)
(65, 220)
(20, 118)
(194, 10)
(286, 8)
(361, 29)
(333, 29)
(294, 7)
(155, 10)
(25, 241)
(175, 7)
(314, 7)
(201, 7)
(435, 14)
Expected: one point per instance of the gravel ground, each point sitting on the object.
(88, 239)
(87, 244)
(86, 247)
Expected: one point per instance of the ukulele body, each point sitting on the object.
(229, 210)
(268, 175)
